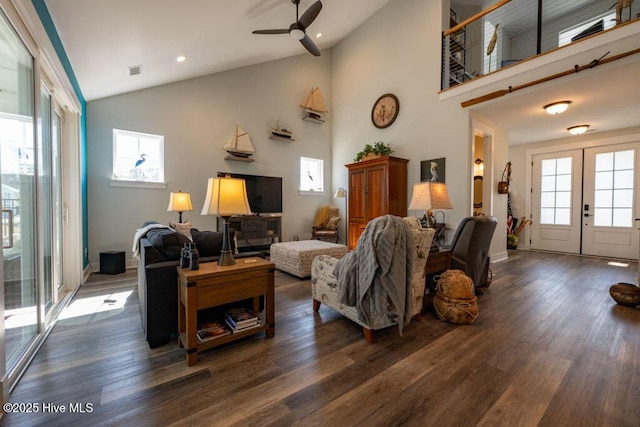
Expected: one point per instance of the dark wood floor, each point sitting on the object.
(550, 347)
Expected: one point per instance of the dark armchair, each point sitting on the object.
(470, 248)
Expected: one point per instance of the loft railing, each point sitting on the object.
(480, 40)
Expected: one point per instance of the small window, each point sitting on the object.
(138, 157)
(311, 176)
(586, 28)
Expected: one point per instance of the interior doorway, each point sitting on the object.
(481, 172)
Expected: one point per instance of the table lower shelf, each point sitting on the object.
(227, 338)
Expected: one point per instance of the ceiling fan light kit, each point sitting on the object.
(298, 30)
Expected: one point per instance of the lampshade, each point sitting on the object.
(226, 197)
(578, 130)
(341, 193)
(429, 195)
(557, 107)
(179, 202)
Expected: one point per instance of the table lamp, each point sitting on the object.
(179, 202)
(428, 196)
(225, 198)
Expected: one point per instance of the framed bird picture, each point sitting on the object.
(433, 170)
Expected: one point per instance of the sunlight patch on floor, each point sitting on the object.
(95, 304)
(617, 264)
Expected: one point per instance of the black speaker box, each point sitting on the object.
(112, 262)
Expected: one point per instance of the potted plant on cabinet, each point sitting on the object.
(369, 151)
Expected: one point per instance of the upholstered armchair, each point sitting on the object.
(325, 226)
(324, 284)
(470, 248)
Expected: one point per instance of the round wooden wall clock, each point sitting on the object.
(385, 110)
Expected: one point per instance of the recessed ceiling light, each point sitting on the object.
(318, 35)
(578, 130)
(557, 107)
(181, 58)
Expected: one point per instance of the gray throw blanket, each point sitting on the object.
(377, 273)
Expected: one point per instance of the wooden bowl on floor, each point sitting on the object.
(625, 294)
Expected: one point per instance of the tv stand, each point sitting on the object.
(255, 232)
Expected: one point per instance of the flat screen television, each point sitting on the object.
(264, 192)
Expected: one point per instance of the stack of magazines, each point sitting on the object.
(212, 330)
(240, 319)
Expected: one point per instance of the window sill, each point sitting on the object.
(311, 193)
(138, 184)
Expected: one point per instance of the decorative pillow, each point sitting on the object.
(209, 243)
(168, 242)
(332, 224)
(182, 227)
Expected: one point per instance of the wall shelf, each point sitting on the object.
(239, 159)
(280, 138)
(312, 120)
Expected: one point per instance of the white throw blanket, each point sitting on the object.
(140, 233)
(377, 273)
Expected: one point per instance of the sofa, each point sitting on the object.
(326, 290)
(158, 249)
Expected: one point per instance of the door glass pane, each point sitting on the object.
(548, 183)
(623, 179)
(604, 198)
(563, 199)
(44, 167)
(564, 166)
(602, 217)
(624, 160)
(604, 180)
(555, 191)
(614, 188)
(56, 136)
(17, 175)
(604, 162)
(548, 167)
(622, 217)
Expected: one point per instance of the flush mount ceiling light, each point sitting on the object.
(181, 58)
(578, 130)
(557, 107)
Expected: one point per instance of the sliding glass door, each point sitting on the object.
(19, 209)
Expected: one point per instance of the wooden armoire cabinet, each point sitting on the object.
(376, 187)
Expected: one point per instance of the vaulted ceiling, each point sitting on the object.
(103, 39)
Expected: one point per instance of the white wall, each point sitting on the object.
(197, 117)
(398, 50)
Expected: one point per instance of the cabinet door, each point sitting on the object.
(376, 192)
(357, 188)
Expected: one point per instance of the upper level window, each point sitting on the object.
(592, 26)
(138, 157)
(311, 176)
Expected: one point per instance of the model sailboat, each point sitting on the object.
(281, 132)
(314, 105)
(239, 146)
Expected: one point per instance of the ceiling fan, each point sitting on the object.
(297, 30)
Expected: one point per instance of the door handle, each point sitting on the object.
(586, 215)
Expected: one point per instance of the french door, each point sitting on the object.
(584, 201)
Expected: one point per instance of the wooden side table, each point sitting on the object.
(437, 263)
(213, 285)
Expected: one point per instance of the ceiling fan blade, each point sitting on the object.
(310, 14)
(310, 45)
(278, 31)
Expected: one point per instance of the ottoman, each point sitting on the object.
(296, 257)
